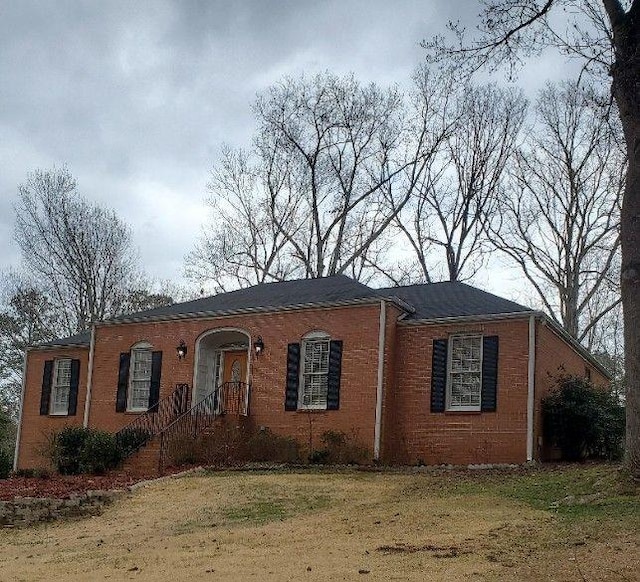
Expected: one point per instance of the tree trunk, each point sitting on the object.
(626, 89)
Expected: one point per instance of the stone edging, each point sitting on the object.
(23, 511)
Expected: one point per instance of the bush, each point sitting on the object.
(339, 448)
(99, 453)
(266, 446)
(130, 439)
(6, 463)
(76, 450)
(583, 421)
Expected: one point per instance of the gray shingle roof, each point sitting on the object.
(451, 299)
(266, 296)
(427, 301)
(80, 339)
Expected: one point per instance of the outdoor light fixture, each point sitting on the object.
(258, 345)
(181, 349)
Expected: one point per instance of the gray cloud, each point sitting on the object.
(137, 98)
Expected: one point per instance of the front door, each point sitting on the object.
(235, 366)
(233, 391)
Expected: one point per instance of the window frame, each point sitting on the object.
(139, 348)
(314, 337)
(449, 407)
(55, 386)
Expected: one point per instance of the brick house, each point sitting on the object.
(435, 373)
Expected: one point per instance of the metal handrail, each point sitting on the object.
(144, 427)
(227, 398)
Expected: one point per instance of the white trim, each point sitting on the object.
(382, 329)
(448, 407)
(87, 400)
(531, 376)
(470, 318)
(196, 357)
(24, 384)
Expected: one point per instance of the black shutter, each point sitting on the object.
(123, 381)
(47, 379)
(293, 377)
(73, 387)
(439, 375)
(489, 373)
(154, 389)
(333, 381)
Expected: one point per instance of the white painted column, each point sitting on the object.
(87, 400)
(379, 391)
(24, 383)
(531, 379)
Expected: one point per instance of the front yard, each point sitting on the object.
(557, 523)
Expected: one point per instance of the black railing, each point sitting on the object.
(138, 433)
(177, 439)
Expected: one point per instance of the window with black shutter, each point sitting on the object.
(464, 374)
(314, 369)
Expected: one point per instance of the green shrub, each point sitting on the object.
(583, 421)
(99, 453)
(6, 463)
(130, 439)
(76, 450)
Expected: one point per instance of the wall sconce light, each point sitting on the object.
(181, 349)
(258, 345)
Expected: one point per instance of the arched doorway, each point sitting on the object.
(222, 367)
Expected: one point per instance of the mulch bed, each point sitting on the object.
(63, 486)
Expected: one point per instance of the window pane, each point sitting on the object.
(315, 373)
(60, 389)
(140, 379)
(465, 374)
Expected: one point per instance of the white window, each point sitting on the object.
(60, 388)
(464, 381)
(314, 374)
(139, 378)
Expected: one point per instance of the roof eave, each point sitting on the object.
(469, 318)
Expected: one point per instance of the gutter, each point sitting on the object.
(377, 432)
(18, 432)
(87, 400)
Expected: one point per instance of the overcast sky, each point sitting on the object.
(137, 98)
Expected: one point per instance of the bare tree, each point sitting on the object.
(79, 254)
(605, 35)
(447, 218)
(333, 163)
(26, 318)
(561, 217)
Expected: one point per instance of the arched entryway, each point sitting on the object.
(223, 364)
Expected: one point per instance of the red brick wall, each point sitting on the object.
(417, 435)
(554, 357)
(36, 428)
(356, 326)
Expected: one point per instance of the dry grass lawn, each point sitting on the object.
(347, 526)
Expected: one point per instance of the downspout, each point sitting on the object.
(24, 384)
(87, 400)
(377, 433)
(531, 373)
